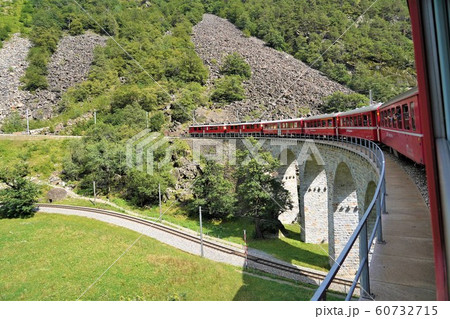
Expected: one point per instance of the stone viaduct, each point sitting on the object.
(331, 185)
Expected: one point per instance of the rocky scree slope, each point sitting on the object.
(280, 85)
(69, 65)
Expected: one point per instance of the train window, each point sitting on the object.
(413, 117)
(405, 116)
(398, 117)
(360, 120)
(330, 123)
(389, 118)
(369, 119)
(393, 118)
(364, 120)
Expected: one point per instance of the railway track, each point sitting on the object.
(206, 243)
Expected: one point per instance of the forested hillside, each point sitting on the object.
(376, 53)
(149, 70)
(149, 75)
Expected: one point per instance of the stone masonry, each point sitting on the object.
(330, 186)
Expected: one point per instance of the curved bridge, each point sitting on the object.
(337, 186)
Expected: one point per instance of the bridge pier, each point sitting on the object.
(288, 174)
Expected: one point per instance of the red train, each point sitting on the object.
(395, 123)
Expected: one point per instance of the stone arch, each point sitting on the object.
(288, 174)
(314, 203)
(344, 216)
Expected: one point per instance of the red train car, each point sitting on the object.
(292, 127)
(360, 123)
(252, 129)
(213, 129)
(324, 125)
(400, 125)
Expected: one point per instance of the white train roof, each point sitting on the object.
(363, 109)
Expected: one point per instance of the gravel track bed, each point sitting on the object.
(415, 171)
(157, 234)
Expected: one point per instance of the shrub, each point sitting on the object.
(76, 27)
(157, 121)
(18, 199)
(190, 98)
(34, 79)
(13, 123)
(339, 102)
(228, 89)
(234, 64)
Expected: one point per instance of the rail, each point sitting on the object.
(210, 243)
(375, 154)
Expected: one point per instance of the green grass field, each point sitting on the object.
(53, 257)
(43, 156)
(290, 249)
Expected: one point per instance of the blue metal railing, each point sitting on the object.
(379, 200)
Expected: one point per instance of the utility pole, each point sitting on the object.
(95, 194)
(246, 249)
(201, 230)
(146, 117)
(160, 209)
(28, 123)
(95, 117)
(370, 97)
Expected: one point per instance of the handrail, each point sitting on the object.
(361, 230)
(375, 154)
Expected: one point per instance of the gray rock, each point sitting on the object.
(69, 65)
(56, 194)
(280, 84)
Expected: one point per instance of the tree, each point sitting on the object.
(20, 196)
(190, 98)
(157, 121)
(214, 192)
(228, 89)
(275, 40)
(142, 188)
(339, 102)
(261, 195)
(76, 27)
(234, 64)
(13, 123)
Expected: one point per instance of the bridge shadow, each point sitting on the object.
(289, 249)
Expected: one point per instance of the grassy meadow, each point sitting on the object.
(54, 257)
(43, 156)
